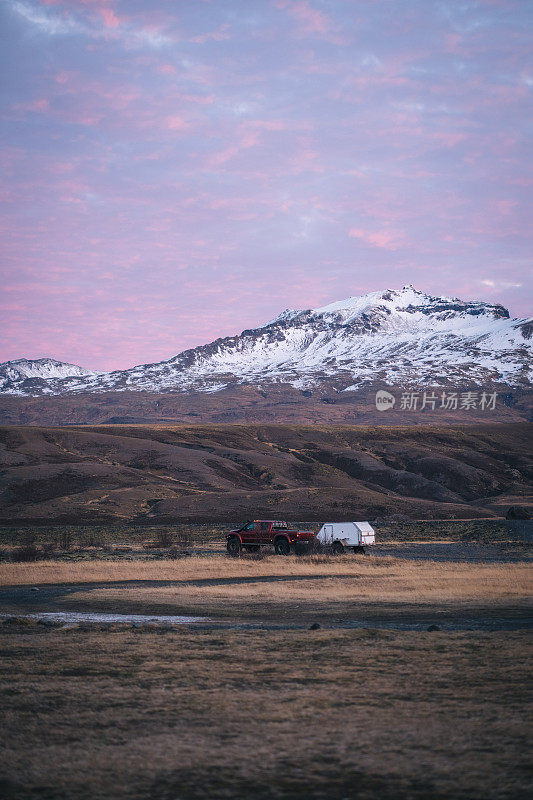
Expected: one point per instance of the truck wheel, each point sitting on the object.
(338, 548)
(282, 546)
(234, 546)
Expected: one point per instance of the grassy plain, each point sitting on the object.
(149, 714)
(217, 584)
(277, 712)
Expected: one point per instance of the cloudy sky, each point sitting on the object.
(177, 170)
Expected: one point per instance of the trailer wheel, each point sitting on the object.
(282, 546)
(234, 546)
(337, 548)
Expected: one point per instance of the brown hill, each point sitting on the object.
(231, 472)
(278, 403)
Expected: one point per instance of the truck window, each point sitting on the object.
(265, 527)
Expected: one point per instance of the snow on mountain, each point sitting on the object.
(402, 337)
(14, 373)
(285, 316)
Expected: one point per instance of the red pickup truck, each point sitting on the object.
(268, 531)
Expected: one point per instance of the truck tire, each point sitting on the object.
(337, 548)
(234, 546)
(282, 546)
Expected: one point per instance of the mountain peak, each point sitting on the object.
(410, 300)
(361, 303)
(285, 316)
(393, 336)
(44, 369)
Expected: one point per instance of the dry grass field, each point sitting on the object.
(274, 710)
(151, 714)
(296, 587)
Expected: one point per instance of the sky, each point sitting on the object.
(176, 171)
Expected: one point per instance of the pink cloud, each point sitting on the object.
(41, 104)
(505, 207)
(75, 3)
(386, 240)
(269, 124)
(254, 132)
(311, 21)
(166, 69)
(200, 99)
(176, 123)
(451, 42)
(218, 35)
(110, 18)
(304, 160)
(448, 138)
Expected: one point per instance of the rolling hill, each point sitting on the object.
(231, 472)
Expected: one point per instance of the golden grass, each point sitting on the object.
(275, 588)
(307, 596)
(306, 715)
(302, 715)
(197, 567)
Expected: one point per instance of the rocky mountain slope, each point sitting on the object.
(400, 337)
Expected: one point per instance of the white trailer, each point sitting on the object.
(341, 536)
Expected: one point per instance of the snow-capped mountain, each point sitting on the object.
(22, 371)
(400, 337)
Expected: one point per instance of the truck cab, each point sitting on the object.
(259, 532)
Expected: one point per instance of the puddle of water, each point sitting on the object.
(69, 617)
